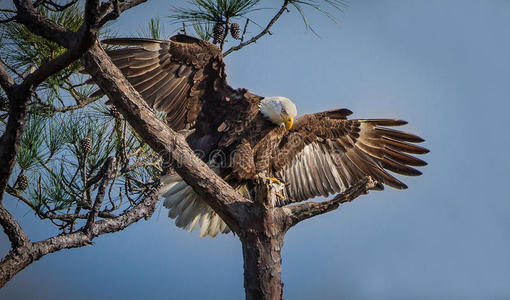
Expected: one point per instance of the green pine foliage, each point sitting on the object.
(23, 50)
(203, 15)
(214, 10)
(154, 29)
(53, 174)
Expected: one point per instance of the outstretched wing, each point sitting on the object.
(325, 153)
(176, 77)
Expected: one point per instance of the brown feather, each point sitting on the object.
(398, 135)
(405, 147)
(162, 71)
(404, 158)
(393, 166)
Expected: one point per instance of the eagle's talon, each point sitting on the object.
(274, 180)
(279, 195)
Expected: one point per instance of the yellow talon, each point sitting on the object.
(279, 195)
(273, 179)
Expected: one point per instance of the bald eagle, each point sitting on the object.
(243, 136)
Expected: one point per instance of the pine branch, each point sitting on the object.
(21, 257)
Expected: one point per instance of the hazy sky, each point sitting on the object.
(442, 65)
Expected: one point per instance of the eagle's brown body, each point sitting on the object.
(323, 153)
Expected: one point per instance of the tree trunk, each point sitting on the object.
(262, 261)
(262, 240)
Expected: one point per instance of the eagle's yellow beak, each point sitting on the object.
(288, 123)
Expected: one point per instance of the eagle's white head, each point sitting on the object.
(279, 110)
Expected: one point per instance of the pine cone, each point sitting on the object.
(22, 182)
(86, 144)
(114, 112)
(218, 33)
(235, 31)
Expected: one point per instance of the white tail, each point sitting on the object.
(188, 209)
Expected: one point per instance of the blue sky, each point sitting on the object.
(444, 66)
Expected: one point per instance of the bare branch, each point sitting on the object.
(12, 229)
(244, 29)
(40, 25)
(262, 33)
(21, 257)
(111, 10)
(107, 171)
(55, 216)
(300, 212)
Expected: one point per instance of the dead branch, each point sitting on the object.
(300, 212)
(21, 257)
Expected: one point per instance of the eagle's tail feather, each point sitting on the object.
(188, 210)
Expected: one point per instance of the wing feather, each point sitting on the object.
(175, 77)
(336, 153)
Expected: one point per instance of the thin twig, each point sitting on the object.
(108, 173)
(244, 29)
(262, 33)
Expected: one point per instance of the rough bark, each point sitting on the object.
(16, 235)
(262, 265)
(262, 241)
